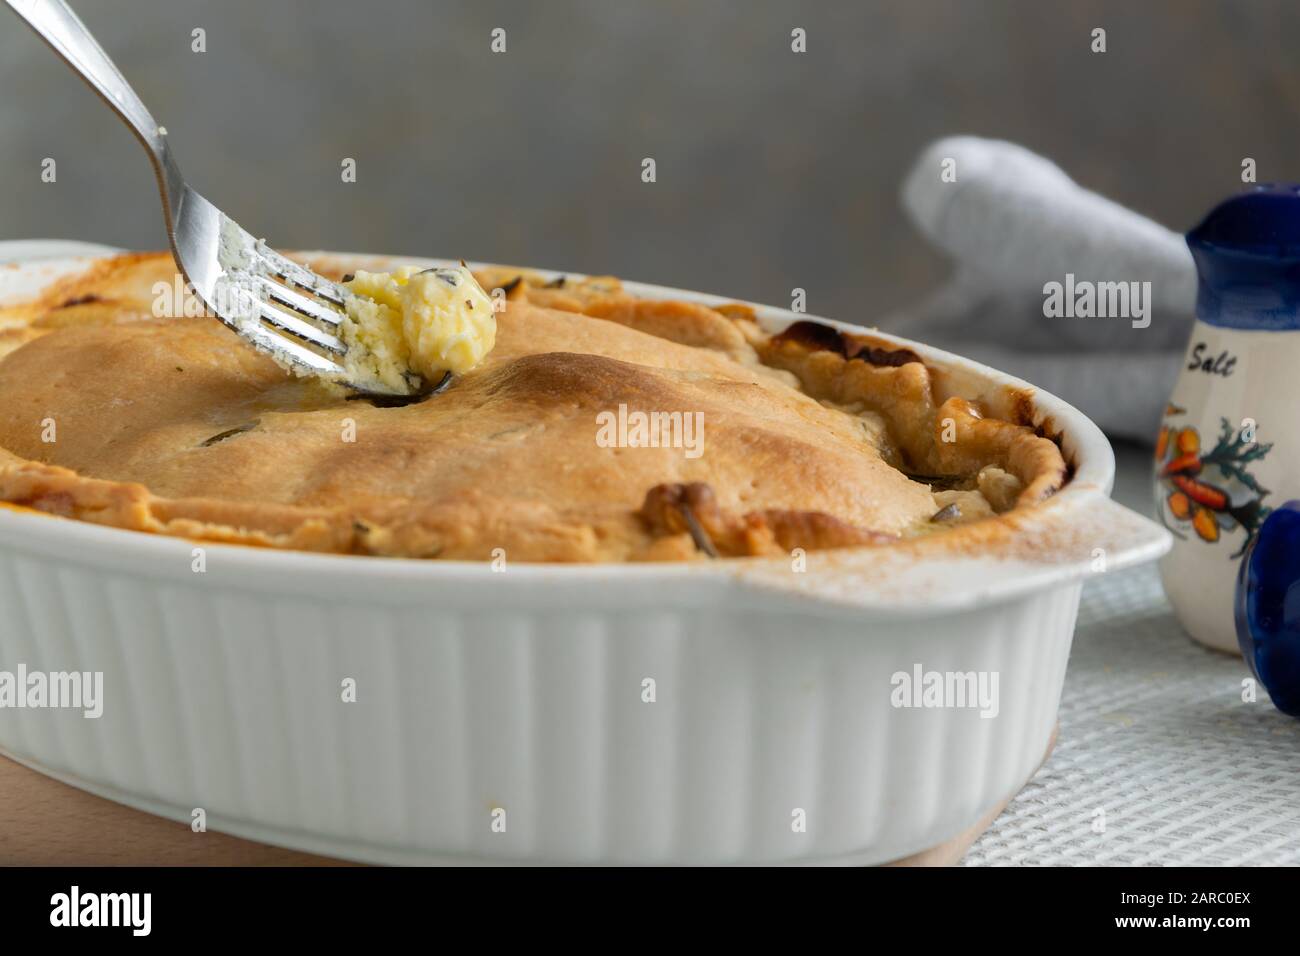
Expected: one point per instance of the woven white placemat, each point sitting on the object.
(1159, 761)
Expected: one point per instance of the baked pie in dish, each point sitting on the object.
(525, 691)
(807, 438)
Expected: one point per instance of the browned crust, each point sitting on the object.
(955, 437)
(816, 337)
(59, 491)
(676, 509)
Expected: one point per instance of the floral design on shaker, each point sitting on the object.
(1214, 491)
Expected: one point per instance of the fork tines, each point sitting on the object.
(302, 277)
(297, 326)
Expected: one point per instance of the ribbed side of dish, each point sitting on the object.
(228, 699)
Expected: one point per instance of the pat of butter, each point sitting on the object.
(428, 321)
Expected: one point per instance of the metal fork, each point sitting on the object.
(276, 305)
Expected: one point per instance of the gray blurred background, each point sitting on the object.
(775, 169)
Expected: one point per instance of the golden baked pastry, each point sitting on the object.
(561, 445)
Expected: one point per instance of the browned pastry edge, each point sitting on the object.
(693, 509)
(956, 438)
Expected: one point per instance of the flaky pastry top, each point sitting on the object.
(809, 439)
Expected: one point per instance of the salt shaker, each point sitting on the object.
(1228, 451)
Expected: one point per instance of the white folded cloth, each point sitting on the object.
(1013, 222)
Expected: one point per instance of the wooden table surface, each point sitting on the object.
(47, 823)
(44, 822)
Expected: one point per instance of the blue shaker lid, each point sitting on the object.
(1247, 253)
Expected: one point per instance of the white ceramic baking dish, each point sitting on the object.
(524, 691)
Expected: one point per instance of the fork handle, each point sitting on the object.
(56, 24)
